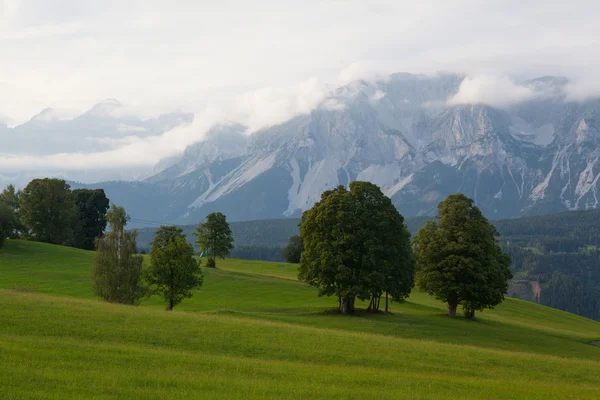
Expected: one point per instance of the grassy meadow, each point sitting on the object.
(253, 331)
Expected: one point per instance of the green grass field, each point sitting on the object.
(253, 331)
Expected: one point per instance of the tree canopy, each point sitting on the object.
(293, 250)
(10, 197)
(48, 211)
(91, 206)
(214, 237)
(459, 258)
(174, 273)
(356, 245)
(7, 222)
(118, 269)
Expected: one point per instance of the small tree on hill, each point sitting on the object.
(356, 245)
(293, 250)
(118, 269)
(214, 237)
(174, 273)
(460, 259)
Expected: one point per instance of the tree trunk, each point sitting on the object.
(472, 315)
(452, 310)
(386, 302)
(170, 307)
(347, 305)
(370, 308)
(378, 301)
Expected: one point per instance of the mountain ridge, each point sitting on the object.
(403, 134)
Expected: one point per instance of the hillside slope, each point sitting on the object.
(253, 331)
(555, 257)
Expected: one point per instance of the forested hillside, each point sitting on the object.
(556, 259)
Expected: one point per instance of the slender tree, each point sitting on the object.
(48, 211)
(174, 273)
(7, 221)
(118, 269)
(460, 259)
(91, 206)
(10, 196)
(214, 237)
(293, 250)
(356, 246)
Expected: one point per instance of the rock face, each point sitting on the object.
(534, 157)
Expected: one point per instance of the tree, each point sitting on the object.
(356, 245)
(460, 259)
(91, 206)
(293, 250)
(10, 197)
(214, 237)
(48, 211)
(174, 272)
(118, 269)
(7, 222)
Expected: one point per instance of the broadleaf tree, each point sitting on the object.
(214, 237)
(7, 222)
(293, 250)
(460, 260)
(117, 269)
(356, 245)
(10, 196)
(48, 211)
(174, 272)
(91, 207)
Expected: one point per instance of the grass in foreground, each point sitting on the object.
(257, 333)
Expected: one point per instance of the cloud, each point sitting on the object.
(259, 66)
(270, 106)
(583, 89)
(495, 91)
(370, 71)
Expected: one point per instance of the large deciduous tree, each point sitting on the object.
(48, 211)
(214, 237)
(293, 250)
(91, 206)
(356, 245)
(174, 273)
(459, 258)
(117, 270)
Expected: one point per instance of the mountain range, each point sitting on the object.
(105, 126)
(401, 133)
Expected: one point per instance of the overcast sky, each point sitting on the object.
(269, 59)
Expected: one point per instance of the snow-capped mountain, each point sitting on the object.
(536, 156)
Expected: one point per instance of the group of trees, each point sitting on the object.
(353, 243)
(173, 272)
(47, 210)
(356, 246)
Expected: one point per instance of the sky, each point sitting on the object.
(261, 62)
